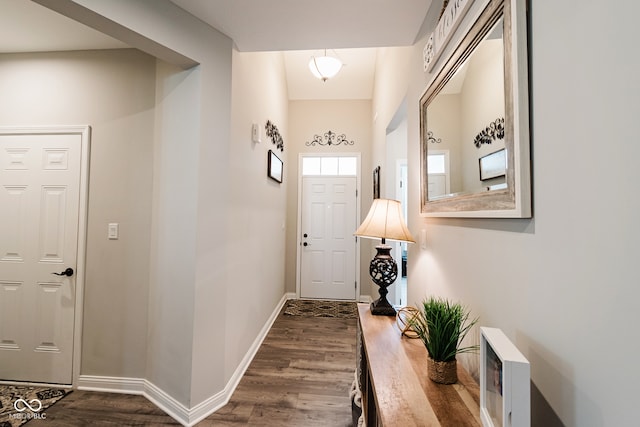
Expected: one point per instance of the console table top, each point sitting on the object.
(404, 394)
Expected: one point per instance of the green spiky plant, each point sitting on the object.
(442, 326)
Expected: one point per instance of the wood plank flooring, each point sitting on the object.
(300, 376)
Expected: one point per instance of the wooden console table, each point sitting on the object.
(396, 390)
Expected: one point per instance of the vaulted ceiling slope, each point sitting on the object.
(274, 25)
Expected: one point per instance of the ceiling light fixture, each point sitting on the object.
(325, 67)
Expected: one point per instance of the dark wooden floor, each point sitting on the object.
(300, 376)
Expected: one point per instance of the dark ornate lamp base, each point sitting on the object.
(382, 307)
(384, 271)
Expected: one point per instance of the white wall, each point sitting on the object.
(562, 285)
(396, 150)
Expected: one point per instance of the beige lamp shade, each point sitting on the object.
(385, 221)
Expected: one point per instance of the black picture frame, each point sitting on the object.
(376, 183)
(275, 169)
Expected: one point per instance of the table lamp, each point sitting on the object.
(384, 221)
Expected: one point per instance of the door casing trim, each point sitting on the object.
(84, 131)
(299, 215)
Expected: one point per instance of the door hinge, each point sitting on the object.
(355, 285)
(356, 193)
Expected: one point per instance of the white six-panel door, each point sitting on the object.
(328, 260)
(39, 205)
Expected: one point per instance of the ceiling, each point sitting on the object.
(267, 25)
(352, 30)
(28, 27)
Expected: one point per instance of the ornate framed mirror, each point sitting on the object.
(474, 121)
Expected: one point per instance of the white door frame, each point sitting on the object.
(447, 168)
(299, 216)
(84, 131)
(396, 252)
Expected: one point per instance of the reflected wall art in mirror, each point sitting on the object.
(474, 121)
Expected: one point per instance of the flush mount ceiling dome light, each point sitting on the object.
(324, 67)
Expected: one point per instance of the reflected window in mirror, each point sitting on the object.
(439, 174)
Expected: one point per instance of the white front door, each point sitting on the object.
(328, 261)
(39, 205)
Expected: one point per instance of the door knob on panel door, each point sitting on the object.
(68, 272)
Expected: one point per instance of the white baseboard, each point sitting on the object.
(112, 384)
(139, 386)
(176, 410)
(365, 298)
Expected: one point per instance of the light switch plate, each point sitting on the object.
(112, 232)
(255, 133)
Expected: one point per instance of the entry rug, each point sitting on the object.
(20, 404)
(317, 308)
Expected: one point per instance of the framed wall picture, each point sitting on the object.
(493, 165)
(274, 167)
(376, 183)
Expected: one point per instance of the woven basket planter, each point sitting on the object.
(442, 372)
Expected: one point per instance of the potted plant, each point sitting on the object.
(442, 326)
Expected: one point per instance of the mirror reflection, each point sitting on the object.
(465, 125)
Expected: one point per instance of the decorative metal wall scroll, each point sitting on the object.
(274, 134)
(432, 139)
(494, 131)
(330, 138)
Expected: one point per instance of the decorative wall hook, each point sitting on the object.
(274, 134)
(494, 131)
(432, 139)
(330, 138)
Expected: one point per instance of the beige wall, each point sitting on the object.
(309, 118)
(442, 122)
(563, 285)
(257, 224)
(114, 92)
(174, 217)
(481, 103)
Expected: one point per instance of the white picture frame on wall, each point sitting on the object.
(493, 165)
